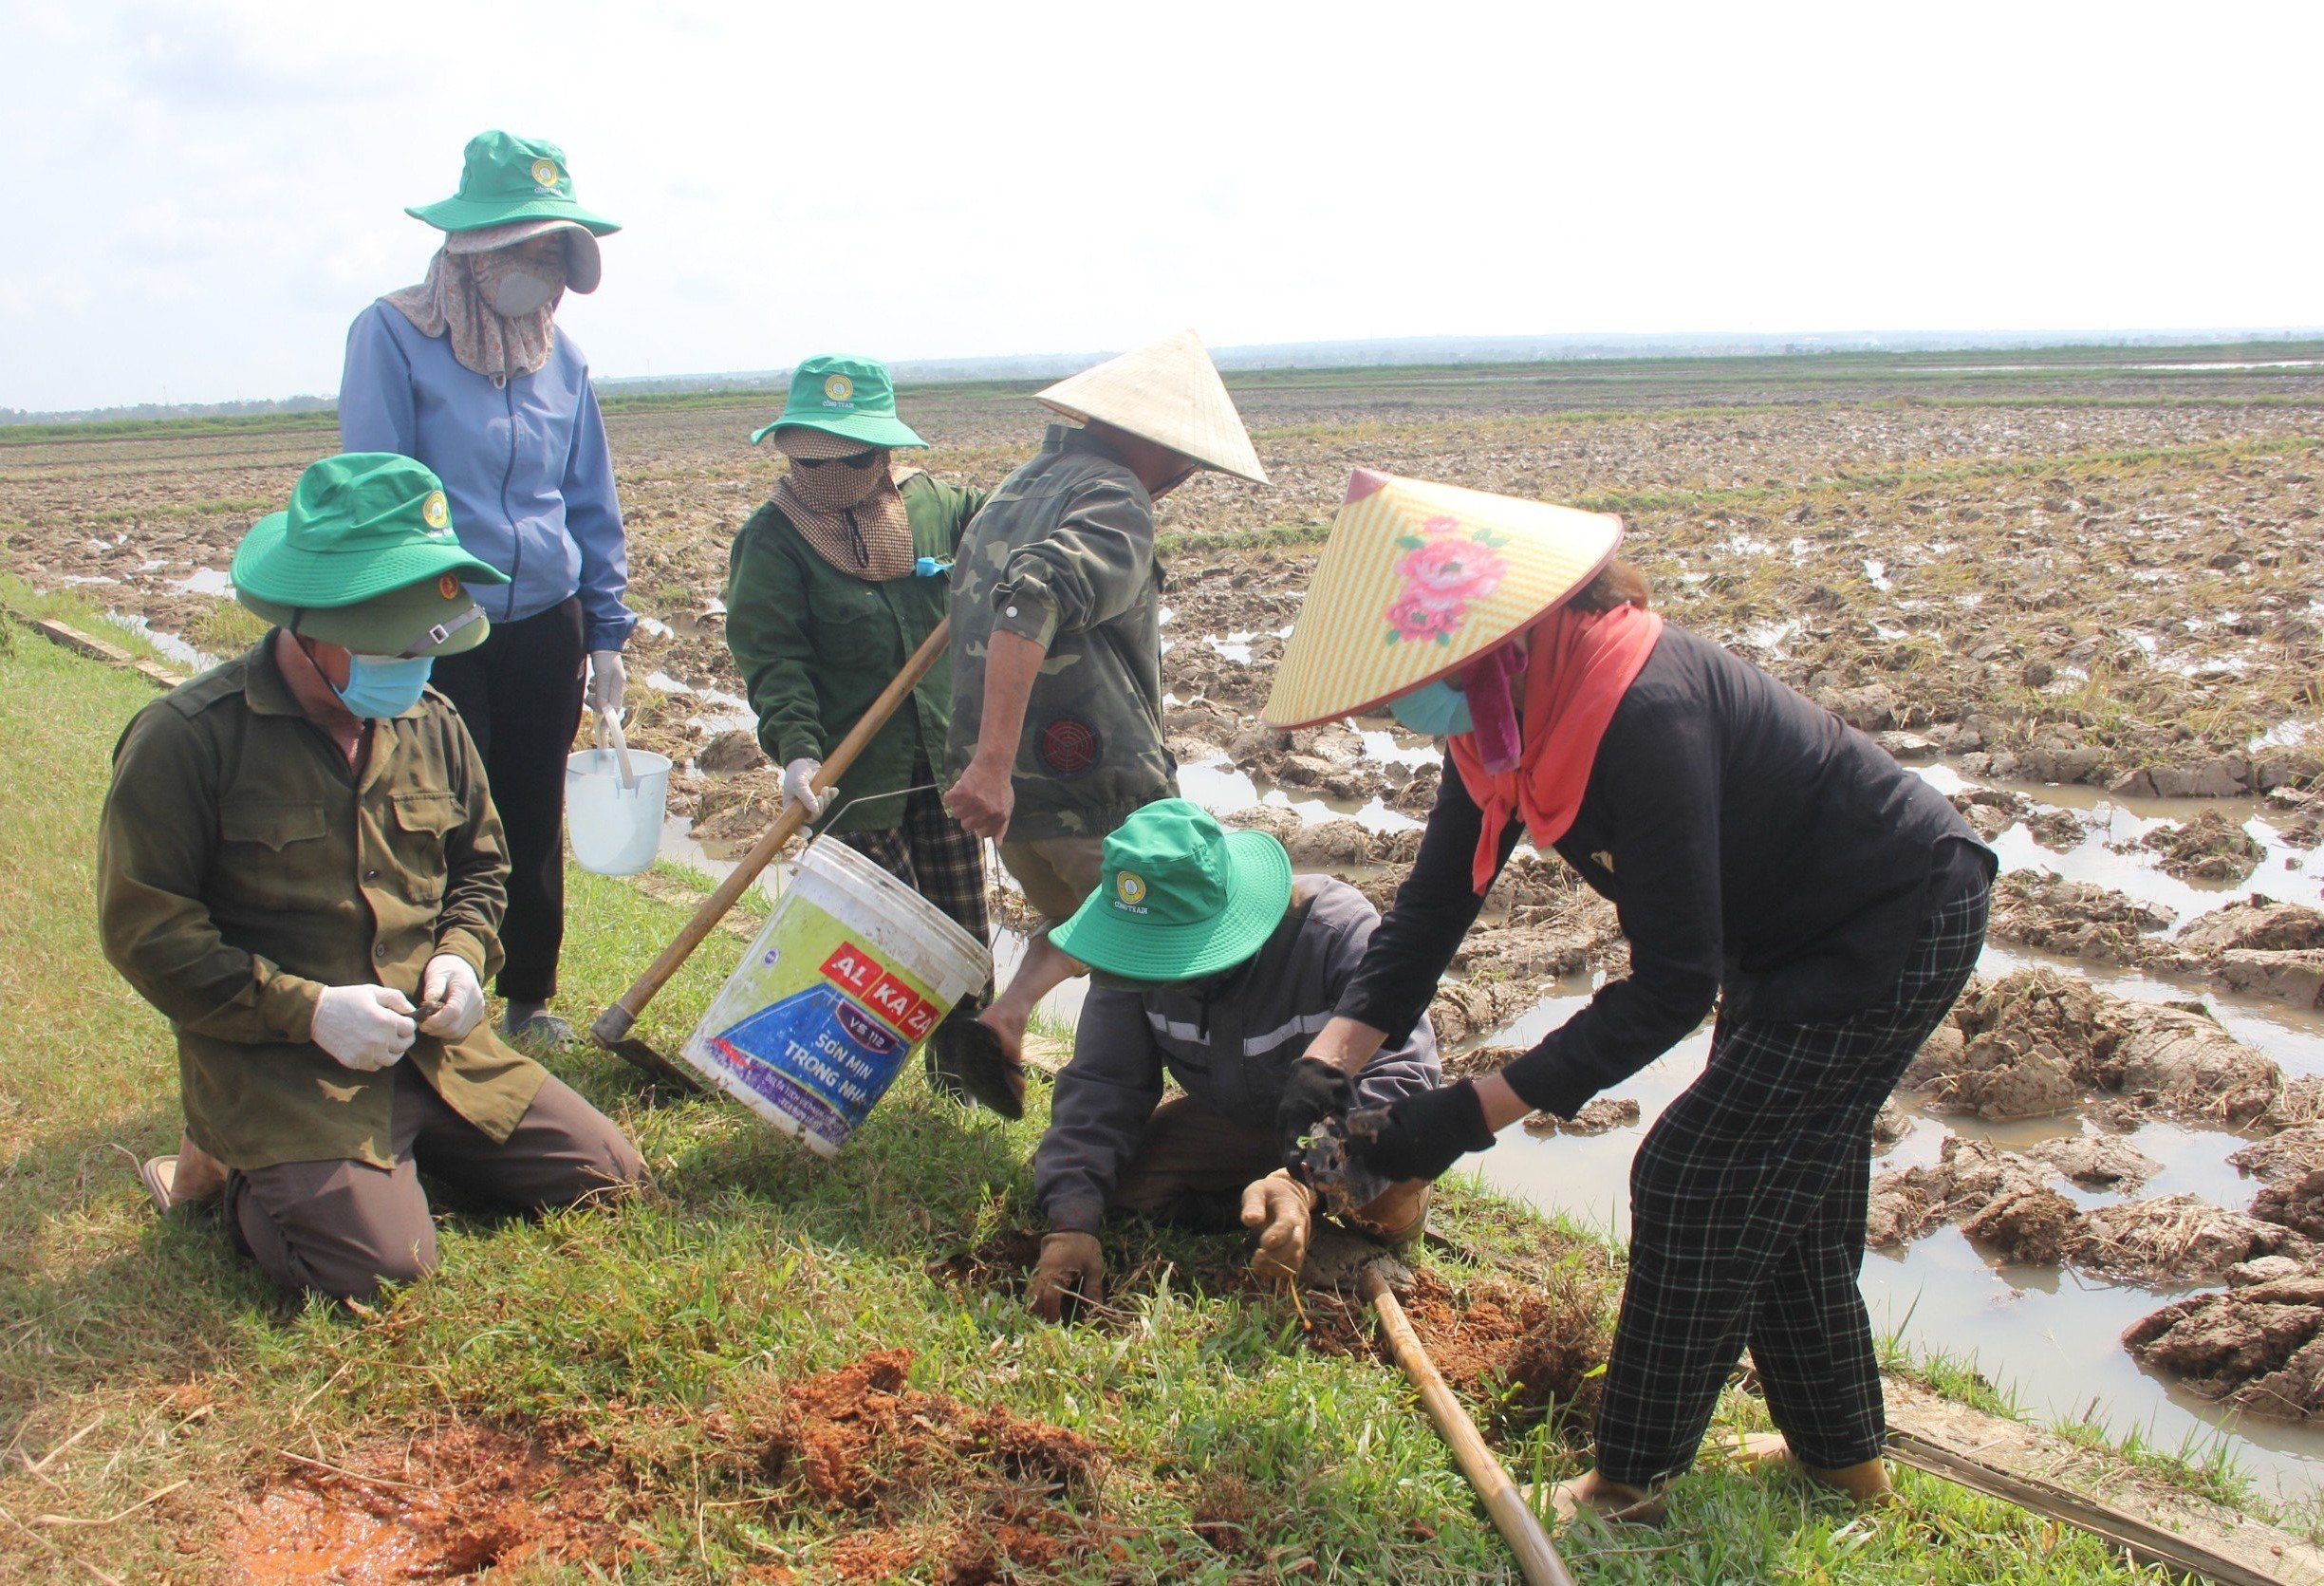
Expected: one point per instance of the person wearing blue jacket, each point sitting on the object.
(468, 372)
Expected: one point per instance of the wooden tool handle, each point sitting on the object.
(618, 1018)
(1537, 1559)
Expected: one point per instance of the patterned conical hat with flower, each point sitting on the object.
(1418, 579)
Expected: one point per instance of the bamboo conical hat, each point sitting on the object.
(1167, 392)
(1417, 580)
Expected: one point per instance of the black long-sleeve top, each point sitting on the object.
(1753, 845)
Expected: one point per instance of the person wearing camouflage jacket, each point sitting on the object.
(1056, 730)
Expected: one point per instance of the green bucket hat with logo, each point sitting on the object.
(1179, 897)
(365, 558)
(503, 177)
(850, 397)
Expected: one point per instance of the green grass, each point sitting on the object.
(644, 1342)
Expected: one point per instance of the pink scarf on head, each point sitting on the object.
(1580, 665)
(453, 301)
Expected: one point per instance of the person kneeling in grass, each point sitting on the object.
(300, 865)
(1210, 962)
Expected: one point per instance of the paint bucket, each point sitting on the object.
(614, 803)
(849, 973)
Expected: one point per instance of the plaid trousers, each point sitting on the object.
(1747, 1204)
(934, 855)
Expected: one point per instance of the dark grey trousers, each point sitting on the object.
(341, 1228)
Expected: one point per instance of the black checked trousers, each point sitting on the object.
(1747, 1204)
(934, 855)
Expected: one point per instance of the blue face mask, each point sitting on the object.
(379, 685)
(1439, 709)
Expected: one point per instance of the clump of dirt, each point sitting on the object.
(861, 1438)
(2076, 919)
(2033, 1037)
(1991, 812)
(2285, 1157)
(2295, 1203)
(2259, 1348)
(1889, 1125)
(1542, 942)
(1522, 1353)
(1004, 1262)
(457, 1502)
(1601, 1117)
(2257, 922)
(2097, 1161)
(1997, 1059)
(1462, 1009)
(2210, 847)
(1997, 1195)
(2177, 1239)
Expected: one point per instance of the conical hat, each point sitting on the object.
(1167, 392)
(1416, 580)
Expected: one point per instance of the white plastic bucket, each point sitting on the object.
(848, 977)
(614, 803)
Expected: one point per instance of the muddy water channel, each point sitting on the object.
(2050, 1334)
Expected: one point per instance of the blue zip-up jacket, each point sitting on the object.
(525, 466)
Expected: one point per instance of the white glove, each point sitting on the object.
(364, 1027)
(449, 986)
(798, 785)
(608, 681)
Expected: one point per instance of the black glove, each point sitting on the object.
(1421, 1135)
(1313, 1090)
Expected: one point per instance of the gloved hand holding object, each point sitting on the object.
(799, 785)
(364, 1027)
(1071, 1267)
(1313, 1090)
(451, 1002)
(1282, 1209)
(608, 681)
(1421, 1135)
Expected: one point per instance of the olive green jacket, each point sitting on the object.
(242, 870)
(815, 646)
(1063, 554)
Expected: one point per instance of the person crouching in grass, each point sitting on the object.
(1212, 963)
(299, 864)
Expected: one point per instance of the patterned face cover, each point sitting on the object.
(853, 518)
(481, 301)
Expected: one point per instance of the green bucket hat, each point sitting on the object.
(505, 177)
(851, 398)
(365, 558)
(1179, 897)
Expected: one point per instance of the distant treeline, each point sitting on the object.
(1411, 352)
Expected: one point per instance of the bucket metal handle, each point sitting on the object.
(828, 821)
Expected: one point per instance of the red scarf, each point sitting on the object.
(1581, 665)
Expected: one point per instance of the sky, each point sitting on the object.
(201, 195)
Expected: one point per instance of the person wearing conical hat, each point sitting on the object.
(1056, 638)
(1766, 860)
(1213, 966)
(299, 864)
(470, 373)
(831, 586)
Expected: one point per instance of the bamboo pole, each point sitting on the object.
(612, 1027)
(1537, 1559)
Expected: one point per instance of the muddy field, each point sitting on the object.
(2090, 609)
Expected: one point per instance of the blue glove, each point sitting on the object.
(928, 566)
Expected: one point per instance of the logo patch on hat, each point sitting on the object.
(838, 388)
(448, 586)
(1130, 888)
(435, 512)
(544, 173)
